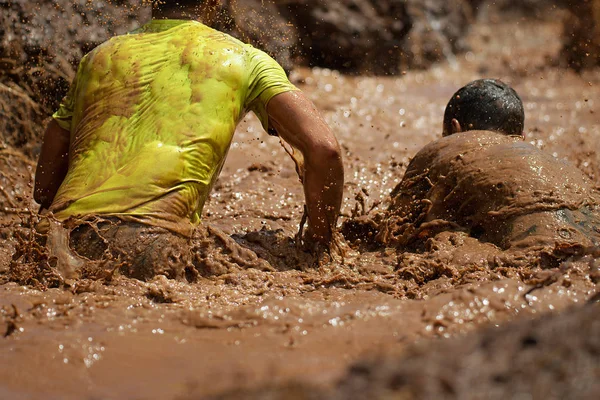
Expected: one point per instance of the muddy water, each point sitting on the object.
(261, 314)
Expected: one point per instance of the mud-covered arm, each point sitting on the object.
(52, 165)
(298, 122)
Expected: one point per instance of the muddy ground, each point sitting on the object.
(262, 316)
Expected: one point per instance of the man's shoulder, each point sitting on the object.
(476, 138)
(186, 31)
(197, 29)
(110, 43)
(459, 145)
(468, 141)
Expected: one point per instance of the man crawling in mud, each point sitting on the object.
(138, 142)
(484, 179)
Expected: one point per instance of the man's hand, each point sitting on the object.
(52, 165)
(298, 123)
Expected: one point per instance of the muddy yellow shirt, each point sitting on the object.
(152, 115)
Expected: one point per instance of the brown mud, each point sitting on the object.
(258, 313)
(531, 359)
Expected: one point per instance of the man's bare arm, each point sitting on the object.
(52, 165)
(298, 122)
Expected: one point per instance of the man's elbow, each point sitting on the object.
(327, 153)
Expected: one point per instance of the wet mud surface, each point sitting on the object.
(531, 358)
(258, 313)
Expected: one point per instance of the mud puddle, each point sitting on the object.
(245, 327)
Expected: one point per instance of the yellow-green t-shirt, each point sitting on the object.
(151, 116)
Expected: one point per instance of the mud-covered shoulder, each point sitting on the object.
(483, 183)
(437, 153)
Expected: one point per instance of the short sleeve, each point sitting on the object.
(64, 115)
(267, 79)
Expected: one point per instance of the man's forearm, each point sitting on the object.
(52, 165)
(323, 187)
(300, 125)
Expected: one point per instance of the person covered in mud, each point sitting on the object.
(484, 179)
(138, 142)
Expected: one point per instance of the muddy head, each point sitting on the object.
(485, 105)
(497, 188)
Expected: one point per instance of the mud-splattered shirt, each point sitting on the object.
(152, 115)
